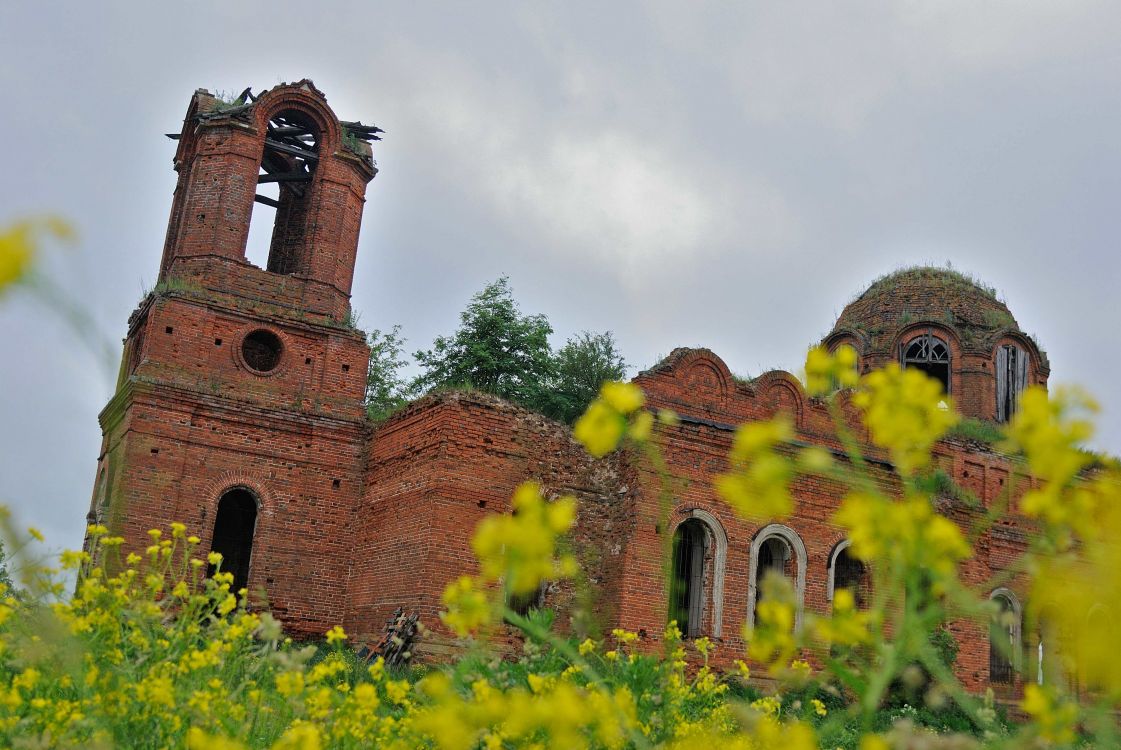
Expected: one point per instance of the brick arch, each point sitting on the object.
(306, 99)
(947, 333)
(798, 549)
(232, 480)
(851, 336)
(777, 386)
(704, 366)
(213, 491)
(719, 560)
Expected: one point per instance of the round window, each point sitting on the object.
(261, 350)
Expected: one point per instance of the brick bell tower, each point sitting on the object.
(239, 408)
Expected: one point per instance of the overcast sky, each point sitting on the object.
(682, 174)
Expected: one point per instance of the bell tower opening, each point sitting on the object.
(284, 184)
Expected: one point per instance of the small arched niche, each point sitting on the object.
(234, 528)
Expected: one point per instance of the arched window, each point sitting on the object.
(776, 548)
(686, 595)
(930, 354)
(233, 533)
(846, 572)
(1011, 379)
(1004, 638)
(288, 162)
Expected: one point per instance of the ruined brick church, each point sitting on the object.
(239, 411)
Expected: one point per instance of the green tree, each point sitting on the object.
(386, 389)
(496, 349)
(580, 367)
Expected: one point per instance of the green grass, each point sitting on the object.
(977, 431)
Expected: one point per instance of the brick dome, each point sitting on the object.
(925, 294)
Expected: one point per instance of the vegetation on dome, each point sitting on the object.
(946, 277)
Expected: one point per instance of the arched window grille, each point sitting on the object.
(930, 354)
(233, 534)
(1004, 638)
(847, 572)
(686, 596)
(776, 548)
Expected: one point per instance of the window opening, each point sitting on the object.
(1002, 642)
(233, 534)
(1011, 379)
(850, 573)
(774, 554)
(523, 604)
(261, 350)
(687, 582)
(288, 162)
(931, 355)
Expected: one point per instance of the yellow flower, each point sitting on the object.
(1054, 719)
(520, 549)
(300, 736)
(818, 707)
(1078, 593)
(827, 372)
(35, 533)
(624, 636)
(906, 413)
(197, 739)
(907, 532)
(758, 488)
(227, 605)
(847, 626)
(289, 683)
(588, 646)
(622, 397)
(19, 245)
(873, 742)
(605, 421)
(214, 558)
(772, 641)
(467, 606)
(336, 635)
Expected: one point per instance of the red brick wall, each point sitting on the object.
(698, 386)
(355, 521)
(437, 468)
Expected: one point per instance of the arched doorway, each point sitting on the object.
(233, 533)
